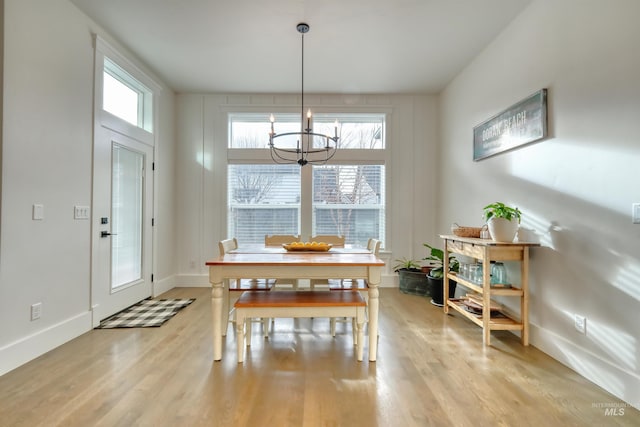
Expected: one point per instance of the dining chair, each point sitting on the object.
(279, 240)
(235, 287)
(337, 242)
(354, 285)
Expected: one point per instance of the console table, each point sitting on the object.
(487, 250)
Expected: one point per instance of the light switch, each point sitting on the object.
(38, 212)
(81, 212)
(635, 213)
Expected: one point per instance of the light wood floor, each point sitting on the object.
(432, 370)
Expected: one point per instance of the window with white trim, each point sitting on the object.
(346, 197)
(125, 97)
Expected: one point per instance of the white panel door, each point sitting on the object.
(122, 228)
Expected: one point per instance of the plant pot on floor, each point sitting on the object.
(413, 282)
(437, 290)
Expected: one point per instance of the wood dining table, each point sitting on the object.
(256, 262)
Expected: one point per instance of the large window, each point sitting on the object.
(346, 198)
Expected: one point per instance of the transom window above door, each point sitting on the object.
(125, 97)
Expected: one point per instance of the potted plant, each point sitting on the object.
(436, 275)
(502, 221)
(412, 280)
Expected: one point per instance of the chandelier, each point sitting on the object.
(310, 147)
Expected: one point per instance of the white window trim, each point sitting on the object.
(104, 118)
(342, 156)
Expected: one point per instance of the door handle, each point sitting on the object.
(106, 234)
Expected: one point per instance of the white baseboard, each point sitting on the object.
(389, 281)
(621, 383)
(163, 285)
(28, 348)
(192, 281)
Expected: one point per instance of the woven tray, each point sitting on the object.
(461, 231)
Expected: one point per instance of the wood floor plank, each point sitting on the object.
(432, 370)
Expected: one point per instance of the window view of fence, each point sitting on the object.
(349, 200)
(263, 199)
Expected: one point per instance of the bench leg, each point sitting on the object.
(360, 327)
(332, 326)
(240, 335)
(265, 327)
(354, 331)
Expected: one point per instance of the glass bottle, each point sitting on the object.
(499, 274)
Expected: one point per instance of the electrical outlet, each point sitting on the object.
(36, 311)
(580, 323)
(37, 213)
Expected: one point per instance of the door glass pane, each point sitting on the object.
(126, 216)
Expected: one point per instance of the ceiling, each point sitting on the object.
(353, 46)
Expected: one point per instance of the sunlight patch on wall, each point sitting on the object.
(627, 277)
(534, 228)
(204, 160)
(621, 346)
(589, 370)
(576, 169)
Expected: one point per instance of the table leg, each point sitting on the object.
(373, 321)
(225, 308)
(216, 313)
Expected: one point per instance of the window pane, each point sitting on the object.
(349, 200)
(252, 130)
(263, 199)
(356, 131)
(125, 97)
(120, 100)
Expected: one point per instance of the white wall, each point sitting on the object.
(47, 157)
(576, 188)
(201, 157)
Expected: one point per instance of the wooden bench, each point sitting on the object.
(298, 304)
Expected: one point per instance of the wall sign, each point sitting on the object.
(520, 124)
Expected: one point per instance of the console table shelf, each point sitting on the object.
(505, 322)
(486, 251)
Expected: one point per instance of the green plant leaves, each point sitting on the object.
(500, 210)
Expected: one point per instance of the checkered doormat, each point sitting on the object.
(145, 314)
